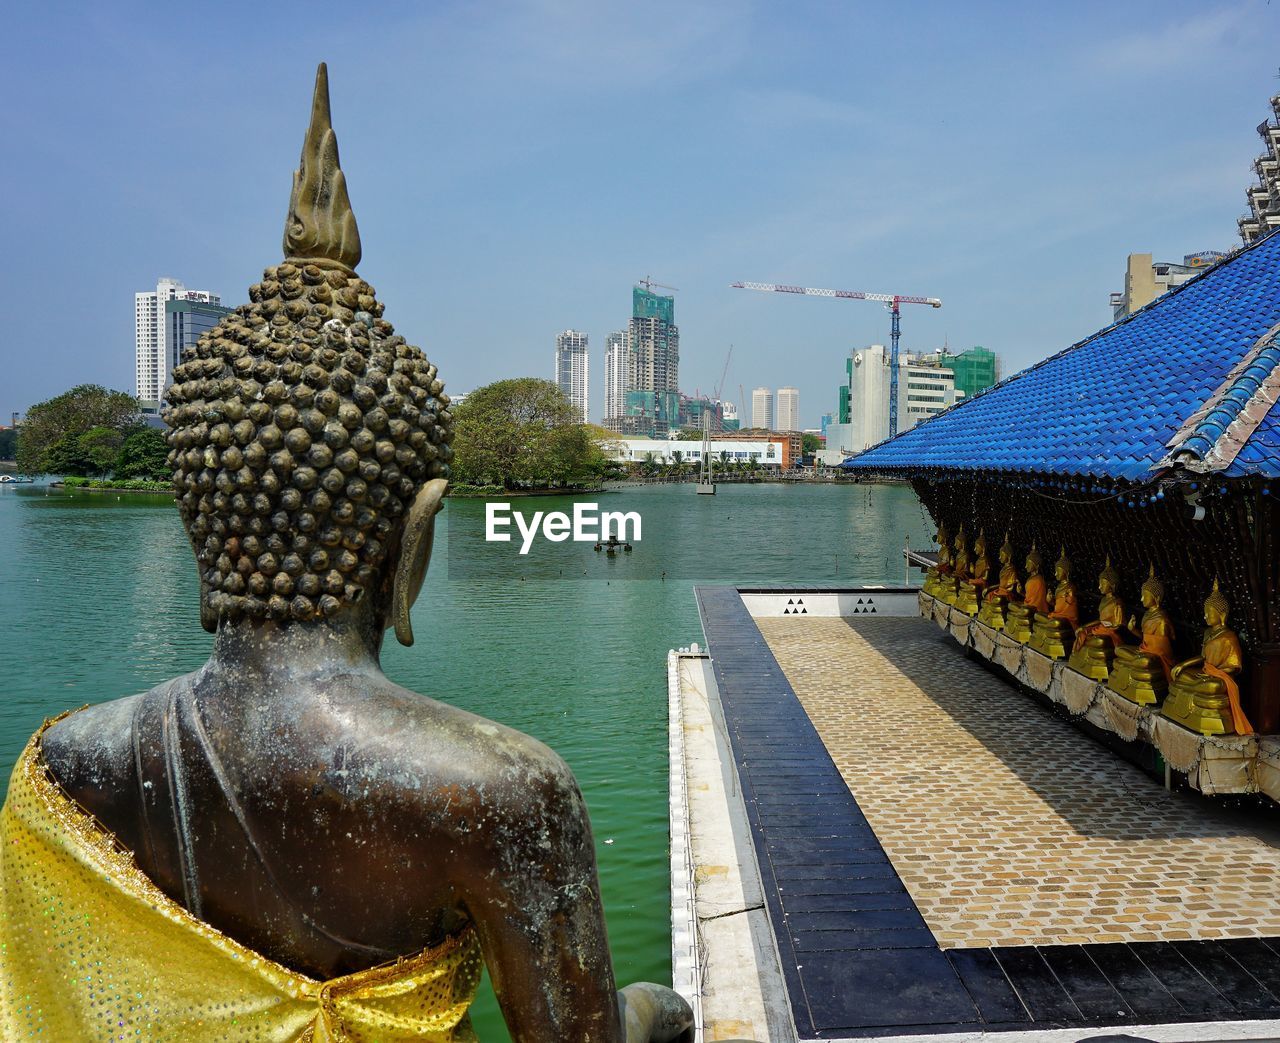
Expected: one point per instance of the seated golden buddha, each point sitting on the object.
(1141, 672)
(1095, 643)
(285, 845)
(1007, 589)
(1020, 616)
(1054, 632)
(934, 577)
(969, 591)
(1203, 693)
(960, 565)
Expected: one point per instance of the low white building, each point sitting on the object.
(664, 450)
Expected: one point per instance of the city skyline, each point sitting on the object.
(466, 204)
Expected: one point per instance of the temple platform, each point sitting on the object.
(877, 836)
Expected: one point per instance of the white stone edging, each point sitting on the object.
(686, 963)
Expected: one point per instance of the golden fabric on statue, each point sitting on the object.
(1054, 633)
(1007, 589)
(933, 578)
(1141, 673)
(959, 568)
(1095, 643)
(969, 592)
(1020, 616)
(1203, 693)
(73, 905)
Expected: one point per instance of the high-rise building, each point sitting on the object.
(156, 350)
(762, 408)
(1145, 281)
(787, 410)
(571, 369)
(976, 370)
(729, 416)
(616, 350)
(926, 386)
(651, 405)
(1264, 197)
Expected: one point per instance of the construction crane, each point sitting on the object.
(648, 284)
(893, 300)
(719, 392)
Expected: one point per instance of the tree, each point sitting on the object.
(72, 413)
(810, 444)
(67, 456)
(523, 433)
(8, 443)
(144, 454)
(101, 446)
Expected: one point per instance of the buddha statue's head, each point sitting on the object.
(1152, 590)
(1108, 579)
(1006, 551)
(961, 540)
(1062, 567)
(1034, 562)
(310, 444)
(980, 545)
(1216, 607)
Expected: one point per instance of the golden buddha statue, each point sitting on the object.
(959, 568)
(934, 578)
(1021, 616)
(969, 592)
(1203, 693)
(1141, 673)
(1054, 633)
(1094, 648)
(1006, 590)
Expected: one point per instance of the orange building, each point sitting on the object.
(792, 442)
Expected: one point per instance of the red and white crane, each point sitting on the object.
(893, 300)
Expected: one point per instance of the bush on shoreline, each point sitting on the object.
(140, 485)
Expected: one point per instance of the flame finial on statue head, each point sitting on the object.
(321, 227)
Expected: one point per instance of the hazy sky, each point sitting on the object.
(516, 167)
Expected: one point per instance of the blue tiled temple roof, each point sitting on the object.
(1189, 380)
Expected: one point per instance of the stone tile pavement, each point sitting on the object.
(1006, 824)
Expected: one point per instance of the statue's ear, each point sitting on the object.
(208, 618)
(415, 555)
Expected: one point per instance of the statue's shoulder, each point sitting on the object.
(471, 757)
(91, 751)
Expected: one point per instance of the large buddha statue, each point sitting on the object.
(1203, 692)
(969, 591)
(285, 845)
(1021, 616)
(1095, 643)
(959, 568)
(936, 576)
(1007, 589)
(1141, 673)
(1054, 632)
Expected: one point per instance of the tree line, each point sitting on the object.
(91, 431)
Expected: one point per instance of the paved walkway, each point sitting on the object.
(1007, 825)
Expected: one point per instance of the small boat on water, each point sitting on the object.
(612, 545)
(14, 479)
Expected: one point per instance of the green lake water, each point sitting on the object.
(98, 601)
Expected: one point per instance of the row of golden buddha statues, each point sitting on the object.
(1133, 657)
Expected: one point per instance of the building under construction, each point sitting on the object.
(1264, 197)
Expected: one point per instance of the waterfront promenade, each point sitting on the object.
(938, 854)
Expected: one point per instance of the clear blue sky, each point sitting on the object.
(515, 167)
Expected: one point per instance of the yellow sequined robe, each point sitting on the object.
(91, 950)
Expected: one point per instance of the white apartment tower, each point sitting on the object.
(762, 408)
(571, 369)
(788, 410)
(154, 357)
(616, 381)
